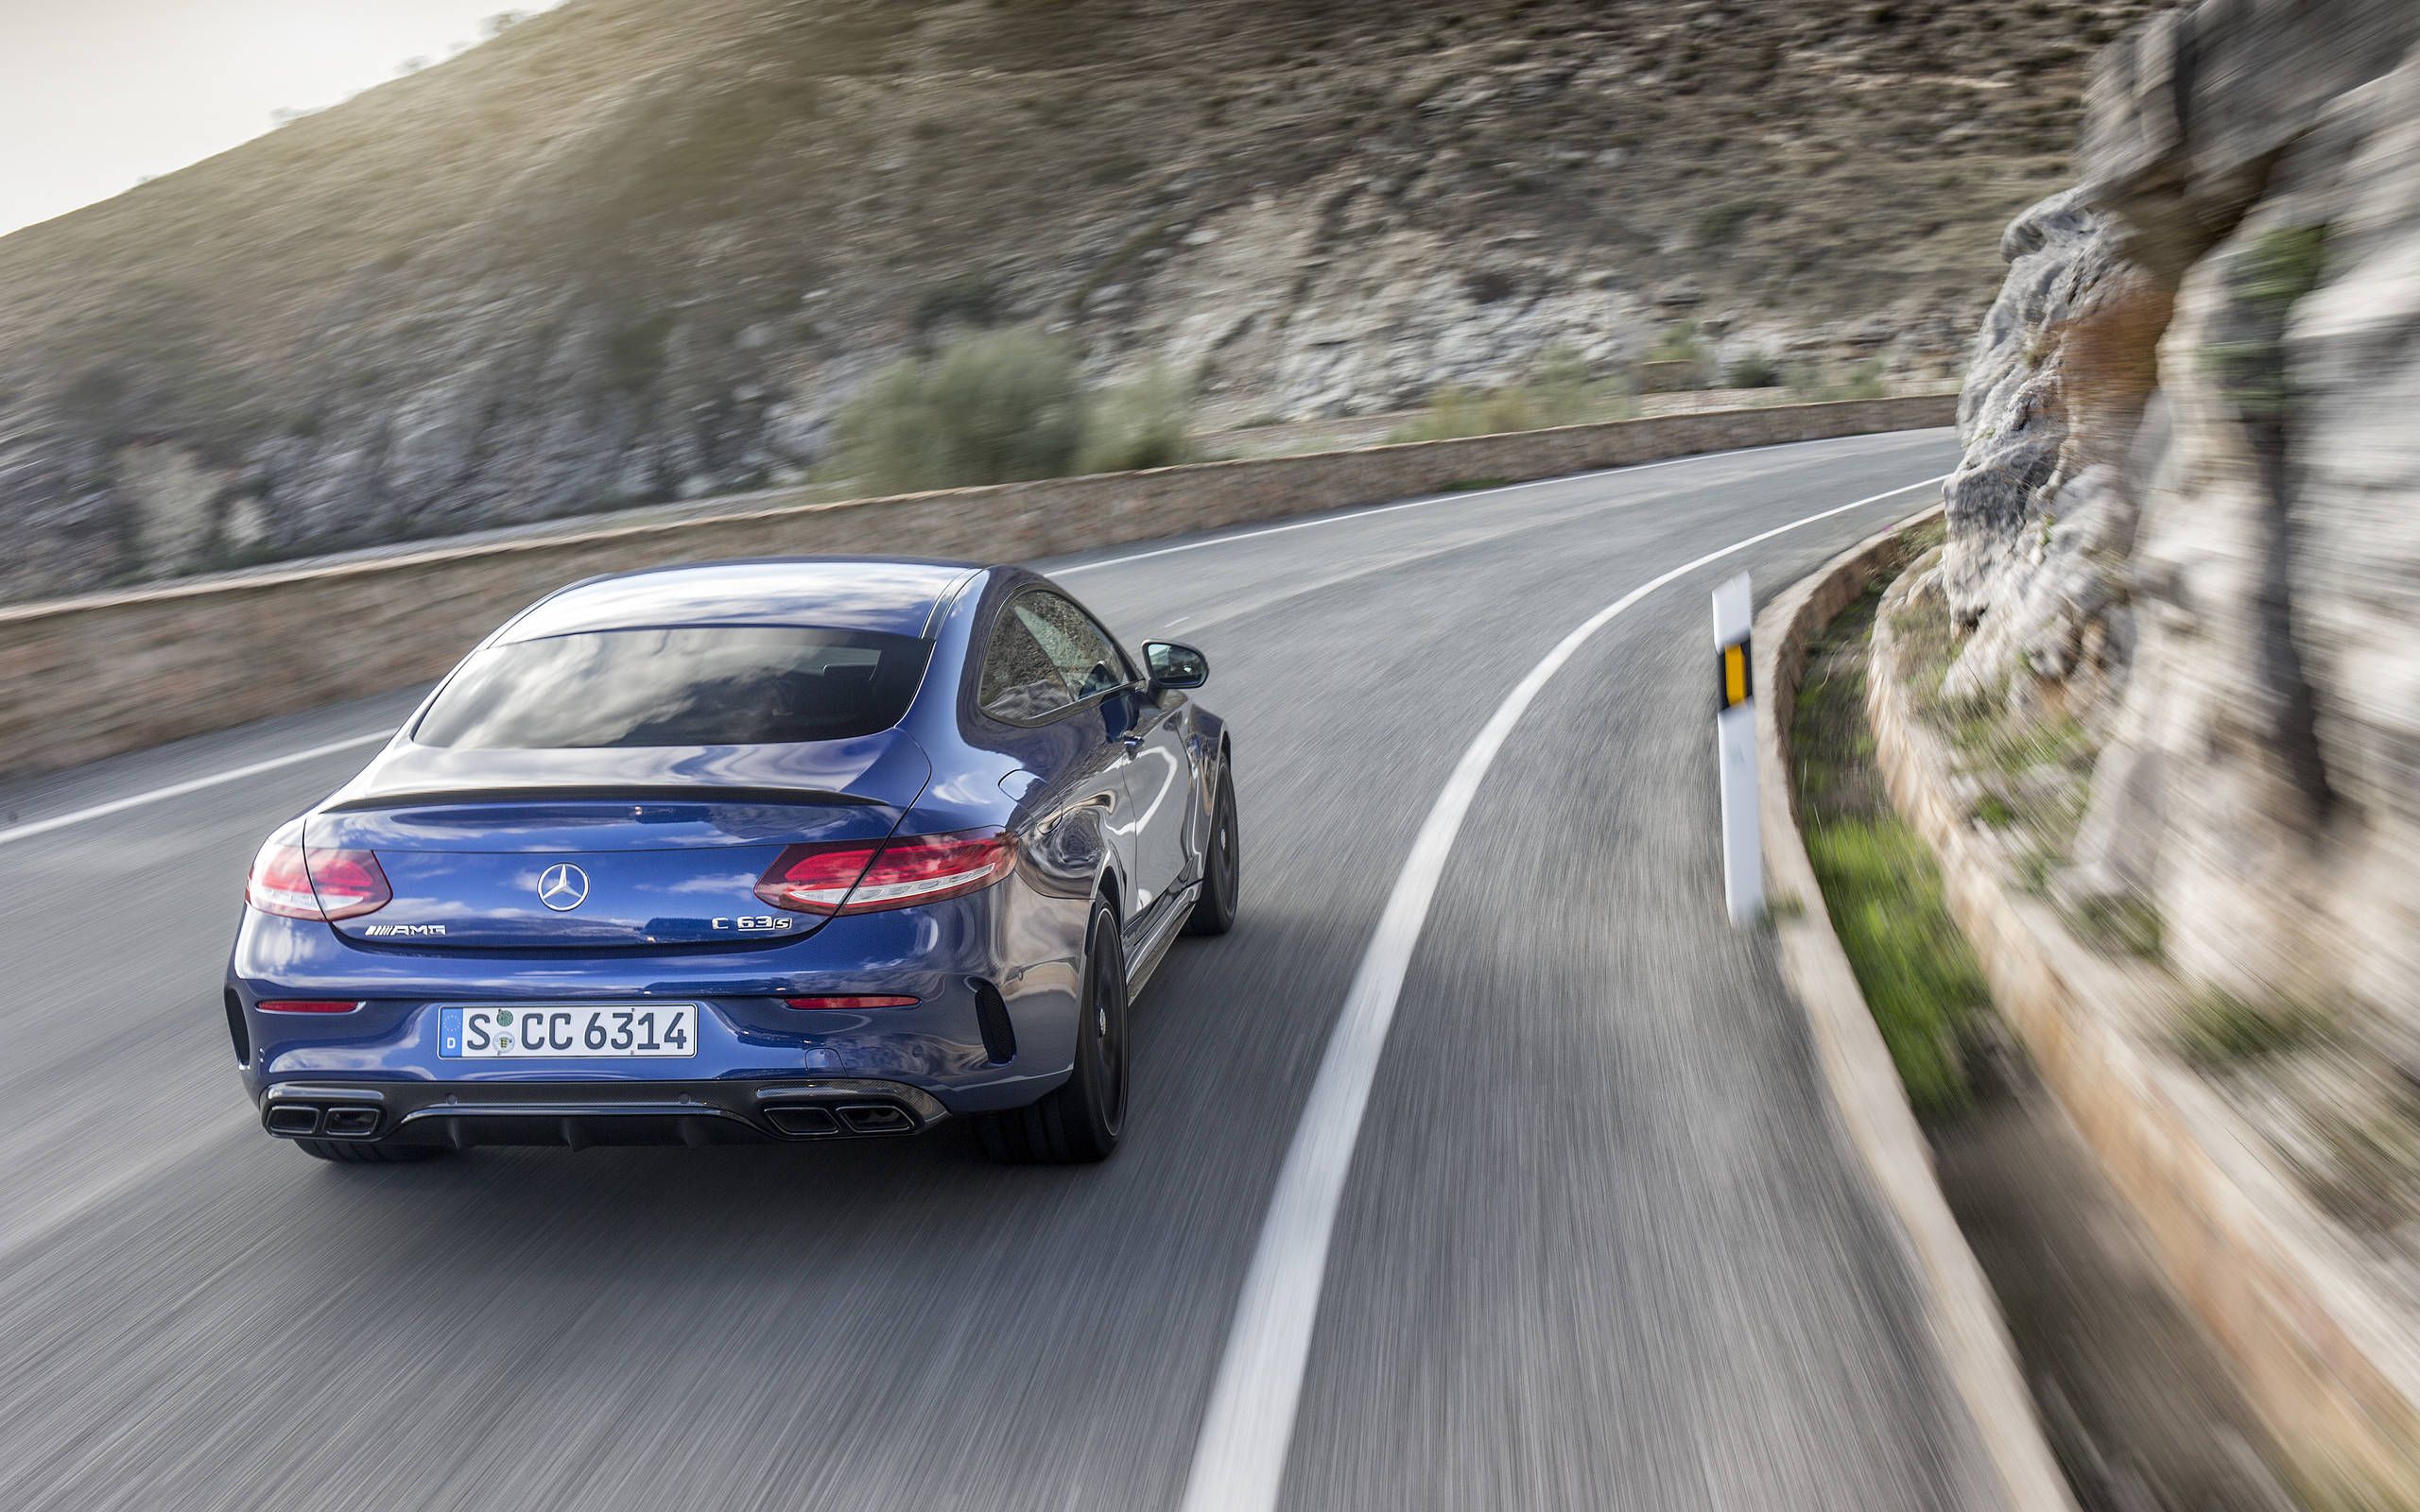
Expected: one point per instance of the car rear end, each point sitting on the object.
(622, 885)
(659, 1017)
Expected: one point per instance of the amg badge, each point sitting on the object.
(402, 930)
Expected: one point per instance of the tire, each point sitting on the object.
(1214, 910)
(349, 1151)
(1078, 1122)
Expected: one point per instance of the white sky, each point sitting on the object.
(96, 93)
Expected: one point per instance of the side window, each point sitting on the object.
(1020, 680)
(1088, 660)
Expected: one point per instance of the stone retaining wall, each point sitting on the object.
(1868, 1100)
(81, 679)
(2332, 1367)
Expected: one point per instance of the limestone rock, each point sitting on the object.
(2250, 217)
(2041, 512)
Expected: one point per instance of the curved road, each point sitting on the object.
(1587, 1238)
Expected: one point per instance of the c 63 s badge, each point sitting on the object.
(404, 931)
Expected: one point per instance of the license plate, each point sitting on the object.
(560, 1031)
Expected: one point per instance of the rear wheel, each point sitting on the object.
(1078, 1122)
(349, 1152)
(1214, 911)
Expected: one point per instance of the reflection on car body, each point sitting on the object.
(860, 844)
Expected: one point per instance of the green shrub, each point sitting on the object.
(2121, 925)
(1559, 393)
(1455, 412)
(999, 406)
(994, 407)
(1678, 343)
(1864, 379)
(1559, 388)
(2217, 1028)
(1147, 422)
(1752, 370)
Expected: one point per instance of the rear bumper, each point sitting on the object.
(993, 977)
(930, 1059)
(582, 1113)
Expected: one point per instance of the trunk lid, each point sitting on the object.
(610, 849)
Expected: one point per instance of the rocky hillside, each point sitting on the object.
(642, 248)
(2189, 512)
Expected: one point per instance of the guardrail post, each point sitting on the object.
(1735, 744)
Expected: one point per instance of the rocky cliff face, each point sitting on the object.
(642, 248)
(2227, 589)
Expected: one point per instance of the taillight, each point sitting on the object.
(814, 879)
(280, 884)
(294, 883)
(811, 1005)
(308, 1005)
(852, 877)
(349, 882)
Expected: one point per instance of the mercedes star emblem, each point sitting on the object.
(562, 888)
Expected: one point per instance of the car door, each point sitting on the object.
(1156, 769)
(1035, 675)
(1160, 774)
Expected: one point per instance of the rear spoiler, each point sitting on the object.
(689, 793)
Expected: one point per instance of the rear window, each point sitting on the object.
(745, 685)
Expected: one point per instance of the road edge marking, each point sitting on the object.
(192, 784)
(1247, 1428)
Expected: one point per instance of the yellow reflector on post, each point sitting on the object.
(1734, 676)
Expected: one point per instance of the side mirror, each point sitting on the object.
(1175, 666)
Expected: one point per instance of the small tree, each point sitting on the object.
(502, 22)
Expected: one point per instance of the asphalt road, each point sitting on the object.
(1597, 1245)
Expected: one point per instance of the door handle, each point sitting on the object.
(1132, 740)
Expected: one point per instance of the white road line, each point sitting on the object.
(1239, 1460)
(1458, 498)
(161, 795)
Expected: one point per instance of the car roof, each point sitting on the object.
(894, 595)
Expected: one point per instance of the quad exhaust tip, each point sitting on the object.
(350, 1123)
(824, 1120)
(876, 1118)
(303, 1120)
(802, 1120)
(293, 1119)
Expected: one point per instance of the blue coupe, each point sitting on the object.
(758, 851)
